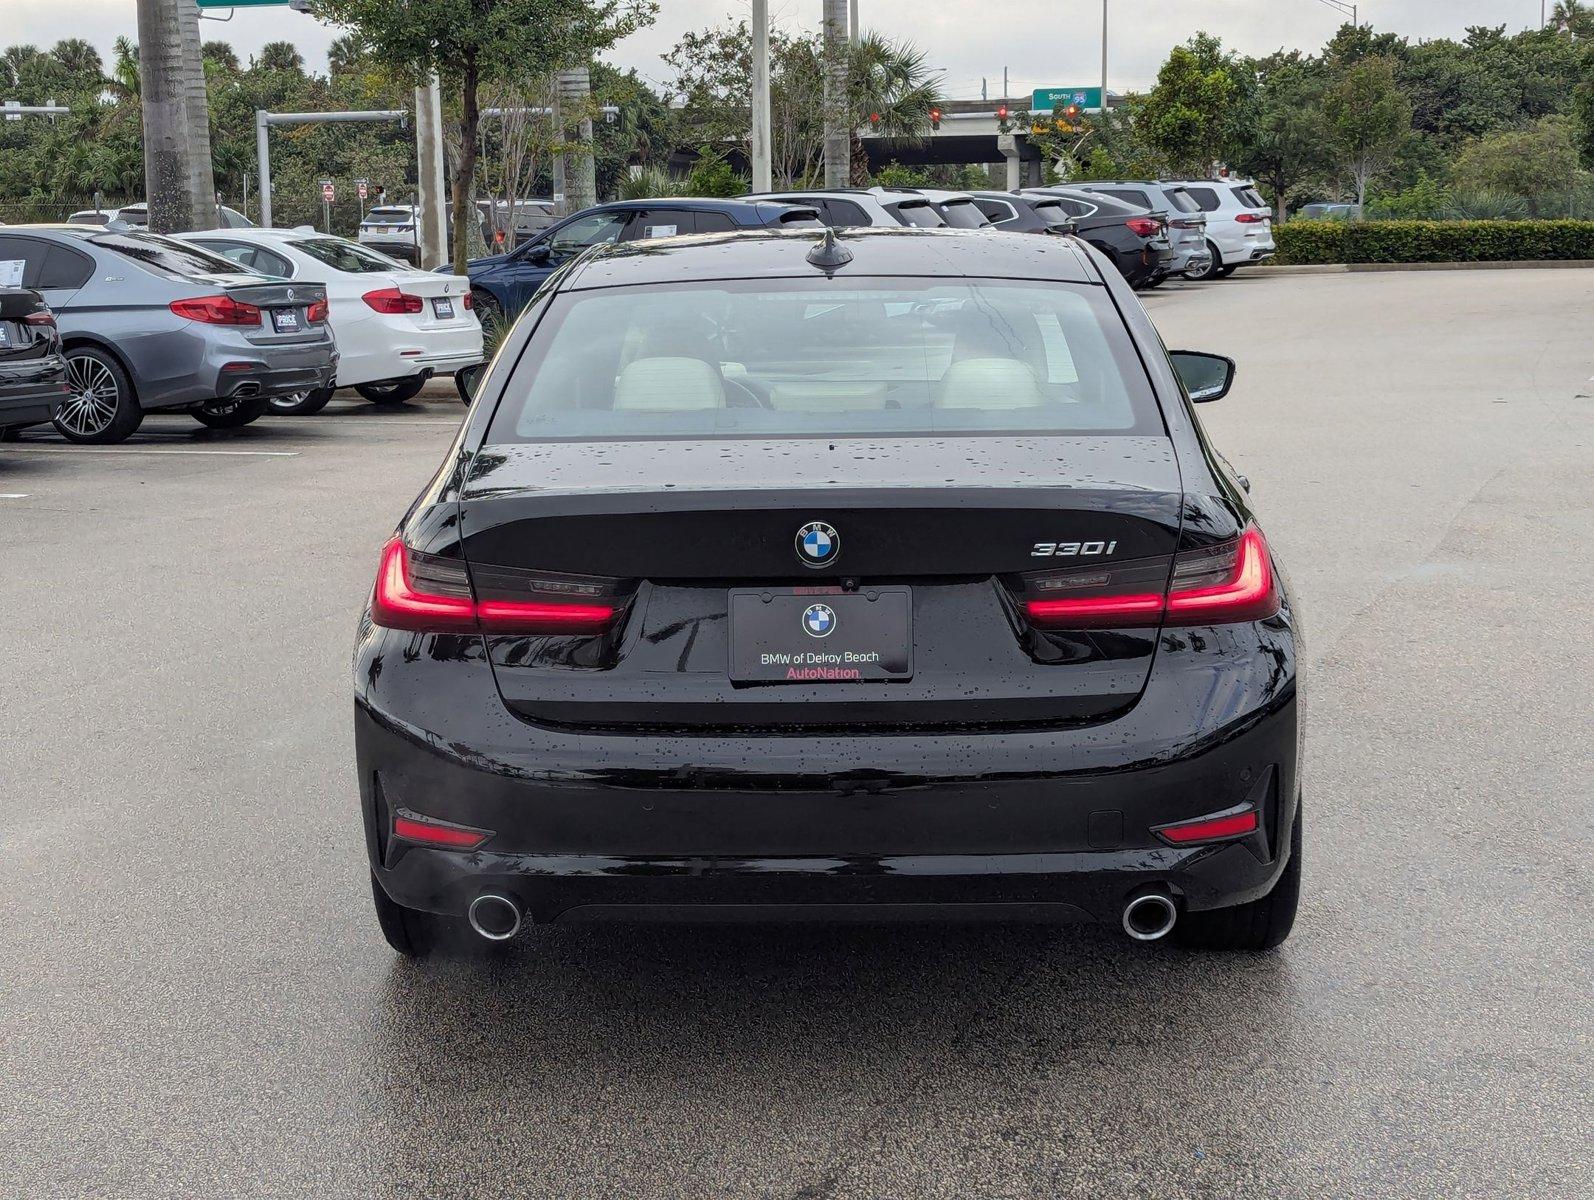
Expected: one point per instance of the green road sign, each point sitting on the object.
(1057, 99)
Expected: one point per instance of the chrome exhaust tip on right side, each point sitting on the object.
(494, 917)
(1150, 916)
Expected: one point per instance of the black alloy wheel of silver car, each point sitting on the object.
(394, 392)
(100, 407)
(300, 404)
(230, 412)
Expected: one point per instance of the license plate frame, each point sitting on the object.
(443, 308)
(865, 636)
(286, 320)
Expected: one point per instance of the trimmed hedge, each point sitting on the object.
(1431, 241)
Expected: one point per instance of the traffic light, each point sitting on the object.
(935, 118)
(1001, 113)
(1071, 112)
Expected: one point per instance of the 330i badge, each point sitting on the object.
(617, 662)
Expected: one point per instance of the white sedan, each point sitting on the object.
(395, 326)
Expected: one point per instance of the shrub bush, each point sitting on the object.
(1432, 241)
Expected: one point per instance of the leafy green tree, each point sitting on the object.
(1201, 108)
(469, 43)
(711, 175)
(1286, 144)
(1531, 163)
(1368, 119)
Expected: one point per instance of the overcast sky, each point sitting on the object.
(1055, 43)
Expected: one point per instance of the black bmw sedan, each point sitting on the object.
(887, 575)
(32, 371)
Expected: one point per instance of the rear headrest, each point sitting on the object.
(994, 383)
(668, 385)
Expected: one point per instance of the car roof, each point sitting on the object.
(756, 254)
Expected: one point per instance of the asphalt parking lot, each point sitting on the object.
(195, 1000)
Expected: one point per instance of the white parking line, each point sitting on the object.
(14, 449)
(13, 495)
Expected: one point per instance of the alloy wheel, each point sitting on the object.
(92, 404)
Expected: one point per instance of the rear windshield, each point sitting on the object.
(963, 214)
(347, 256)
(389, 216)
(919, 213)
(818, 357)
(163, 255)
(1248, 196)
(1181, 200)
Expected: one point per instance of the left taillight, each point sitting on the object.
(216, 310)
(425, 593)
(1230, 582)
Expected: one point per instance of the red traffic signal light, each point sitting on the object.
(1071, 111)
(1001, 113)
(935, 118)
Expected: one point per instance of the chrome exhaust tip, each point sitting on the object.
(1150, 916)
(495, 918)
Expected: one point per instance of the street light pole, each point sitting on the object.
(763, 172)
(1104, 62)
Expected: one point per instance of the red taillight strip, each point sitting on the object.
(1097, 610)
(1250, 593)
(514, 616)
(397, 603)
(1209, 829)
(429, 831)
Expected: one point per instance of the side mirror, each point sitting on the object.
(541, 252)
(1205, 376)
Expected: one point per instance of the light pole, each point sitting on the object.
(838, 134)
(1104, 63)
(763, 172)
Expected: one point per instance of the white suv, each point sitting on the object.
(850, 208)
(1239, 223)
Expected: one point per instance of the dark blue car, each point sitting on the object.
(502, 284)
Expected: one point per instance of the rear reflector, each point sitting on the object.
(216, 310)
(1209, 829)
(429, 831)
(1216, 585)
(428, 594)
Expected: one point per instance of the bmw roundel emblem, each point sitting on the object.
(818, 544)
(819, 620)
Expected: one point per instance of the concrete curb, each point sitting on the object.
(1347, 268)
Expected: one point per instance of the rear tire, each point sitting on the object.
(1261, 924)
(409, 931)
(392, 393)
(230, 414)
(1212, 268)
(300, 404)
(101, 408)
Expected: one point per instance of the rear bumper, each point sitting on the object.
(1045, 823)
(30, 396)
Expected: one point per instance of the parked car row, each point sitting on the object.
(224, 325)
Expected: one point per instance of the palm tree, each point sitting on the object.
(222, 54)
(14, 62)
(890, 89)
(344, 54)
(1575, 17)
(81, 62)
(280, 56)
(124, 68)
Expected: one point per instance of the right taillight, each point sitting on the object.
(216, 310)
(43, 317)
(1215, 585)
(425, 593)
(392, 301)
(1250, 218)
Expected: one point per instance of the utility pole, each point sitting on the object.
(179, 183)
(852, 21)
(433, 247)
(763, 170)
(1104, 63)
(838, 138)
